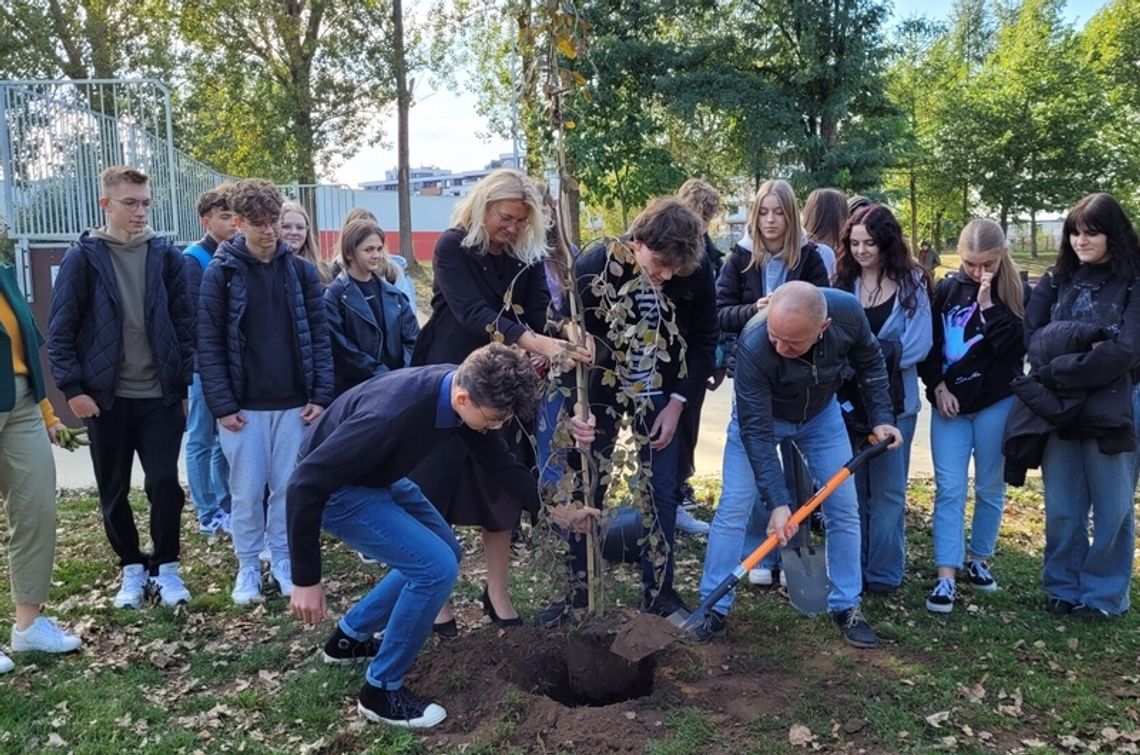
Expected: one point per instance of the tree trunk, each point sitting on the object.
(403, 160)
(1005, 219)
(1033, 234)
(913, 211)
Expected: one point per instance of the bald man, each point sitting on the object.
(789, 361)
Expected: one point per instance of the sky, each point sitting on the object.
(445, 129)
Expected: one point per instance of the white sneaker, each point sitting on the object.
(783, 578)
(760, 576)
(689, 524)
(130, 593)
(168, 587)
(6, 664)
(282, 572)
(45, 636)
(247, 586)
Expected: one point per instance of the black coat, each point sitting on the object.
(468, 298)
(739, 286)
(1042, 405)
(468, 303)
(361, 349)
(372, 436)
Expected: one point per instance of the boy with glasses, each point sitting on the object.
(265, 359)
(120, 341)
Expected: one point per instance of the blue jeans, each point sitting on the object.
(665, 497)
(739, 522)
(399, 527)
(263, 453)
(206, 468)
(1079, 479)
(881, 486)
(824, 444)
(952, 441)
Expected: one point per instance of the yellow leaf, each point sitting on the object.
(566, 47)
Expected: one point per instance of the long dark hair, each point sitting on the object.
(895, 259)
(1100, 213)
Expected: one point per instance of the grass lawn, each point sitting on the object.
(996, 675)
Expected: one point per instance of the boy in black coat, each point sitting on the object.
(351, 481)
(120, 340)
(658, 284)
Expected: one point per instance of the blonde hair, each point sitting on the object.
(309, 249)
(121, 174)
(984, 236)
(793, 234)
(701, 198)
(504, 185)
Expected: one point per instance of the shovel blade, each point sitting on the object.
(646, 634)
(808, 584)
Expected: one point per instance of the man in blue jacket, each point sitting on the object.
(789, 364)
(120, 341)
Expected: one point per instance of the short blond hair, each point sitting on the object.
(504, 185)
(121, 174)
(700, 197)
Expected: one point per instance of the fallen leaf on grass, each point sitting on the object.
(1034, 743)
(854, 726)
(974, 694)
(55, 740)
(1069, 742)
(800, 735)
(937, 719)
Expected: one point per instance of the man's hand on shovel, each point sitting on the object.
(779, 525)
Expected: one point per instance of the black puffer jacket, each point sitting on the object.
(1042, 405)
(85, 326)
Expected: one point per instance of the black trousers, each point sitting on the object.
(688, 432)
(154, 431)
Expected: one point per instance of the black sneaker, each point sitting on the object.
(398, 707)
(1082, 611)
(665, 604)
(688, 495)
(855, 628)
(1058, 607)
(980, 576)
(714, 623)
(941, 598)
(341, 649)
(557, 614)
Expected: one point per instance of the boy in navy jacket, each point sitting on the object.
(351, 481)
(266, 364)
(120, 341)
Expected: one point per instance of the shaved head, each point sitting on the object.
(797, 316)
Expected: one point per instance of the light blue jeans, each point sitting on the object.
(881, 486)
(262, 453)
(1079, 479)
(206, 469)
(952, 442)
(824, 444)
(397, 526)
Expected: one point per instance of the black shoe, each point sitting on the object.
(665, 604)
(688, 495)
(489, 610)
(557, 614)
(714, 623)
(880, 588)
(1082, 611)
(855, 628)
(1058, 607)
(340, 648)
(398, 707)
(446, 629)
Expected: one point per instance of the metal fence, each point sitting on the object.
(56, 137)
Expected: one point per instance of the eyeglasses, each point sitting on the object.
(493, 423)
(272, 224)
(132, 204)
(511, 222)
